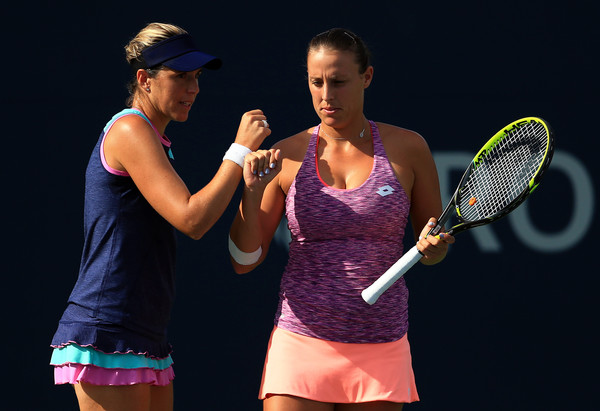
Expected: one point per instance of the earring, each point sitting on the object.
(148, 89)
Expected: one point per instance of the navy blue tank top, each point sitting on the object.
(124, 293)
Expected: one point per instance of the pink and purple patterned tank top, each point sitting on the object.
(342, 240)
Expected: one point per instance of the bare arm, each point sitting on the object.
(132, 146)
(259, 214)
(426, 203)
(415, 169)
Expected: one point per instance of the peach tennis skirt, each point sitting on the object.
(335, 372)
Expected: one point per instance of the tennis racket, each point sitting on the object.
(500, 177)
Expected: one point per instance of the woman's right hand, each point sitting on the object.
(253, 129)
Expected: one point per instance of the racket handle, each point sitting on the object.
(374, 291)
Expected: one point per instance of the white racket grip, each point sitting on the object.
(374, 291)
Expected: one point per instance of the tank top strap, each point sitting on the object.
(378, 149)
(123, 113)
(128, 111)
(311, 151)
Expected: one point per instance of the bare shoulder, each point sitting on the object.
(130, 124)
(294, 147)
(131, 131)
(293, 150)
(399, 137)
(403, 145)
(132, 142)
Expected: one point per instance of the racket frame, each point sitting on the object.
(452, 206)
(412, 256)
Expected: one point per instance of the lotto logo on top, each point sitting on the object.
(385, 190)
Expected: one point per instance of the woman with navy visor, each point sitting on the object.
(111, 340)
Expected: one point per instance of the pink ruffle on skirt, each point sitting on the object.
(74, 363)
(75, 373)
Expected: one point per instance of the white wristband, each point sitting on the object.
(237, 153)
(241, 257)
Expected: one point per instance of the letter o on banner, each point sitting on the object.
(581, 215)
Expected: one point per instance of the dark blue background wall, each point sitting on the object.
(514, 328)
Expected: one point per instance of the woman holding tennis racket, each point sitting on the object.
(111, 340)
(347, 187)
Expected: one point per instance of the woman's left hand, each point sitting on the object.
(433, 247)
(260, 167)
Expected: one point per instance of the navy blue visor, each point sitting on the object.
(178, 53)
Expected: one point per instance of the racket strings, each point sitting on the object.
(503, 172)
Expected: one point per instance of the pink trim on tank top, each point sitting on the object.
(163, 139)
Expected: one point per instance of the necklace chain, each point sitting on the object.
(361, 135)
